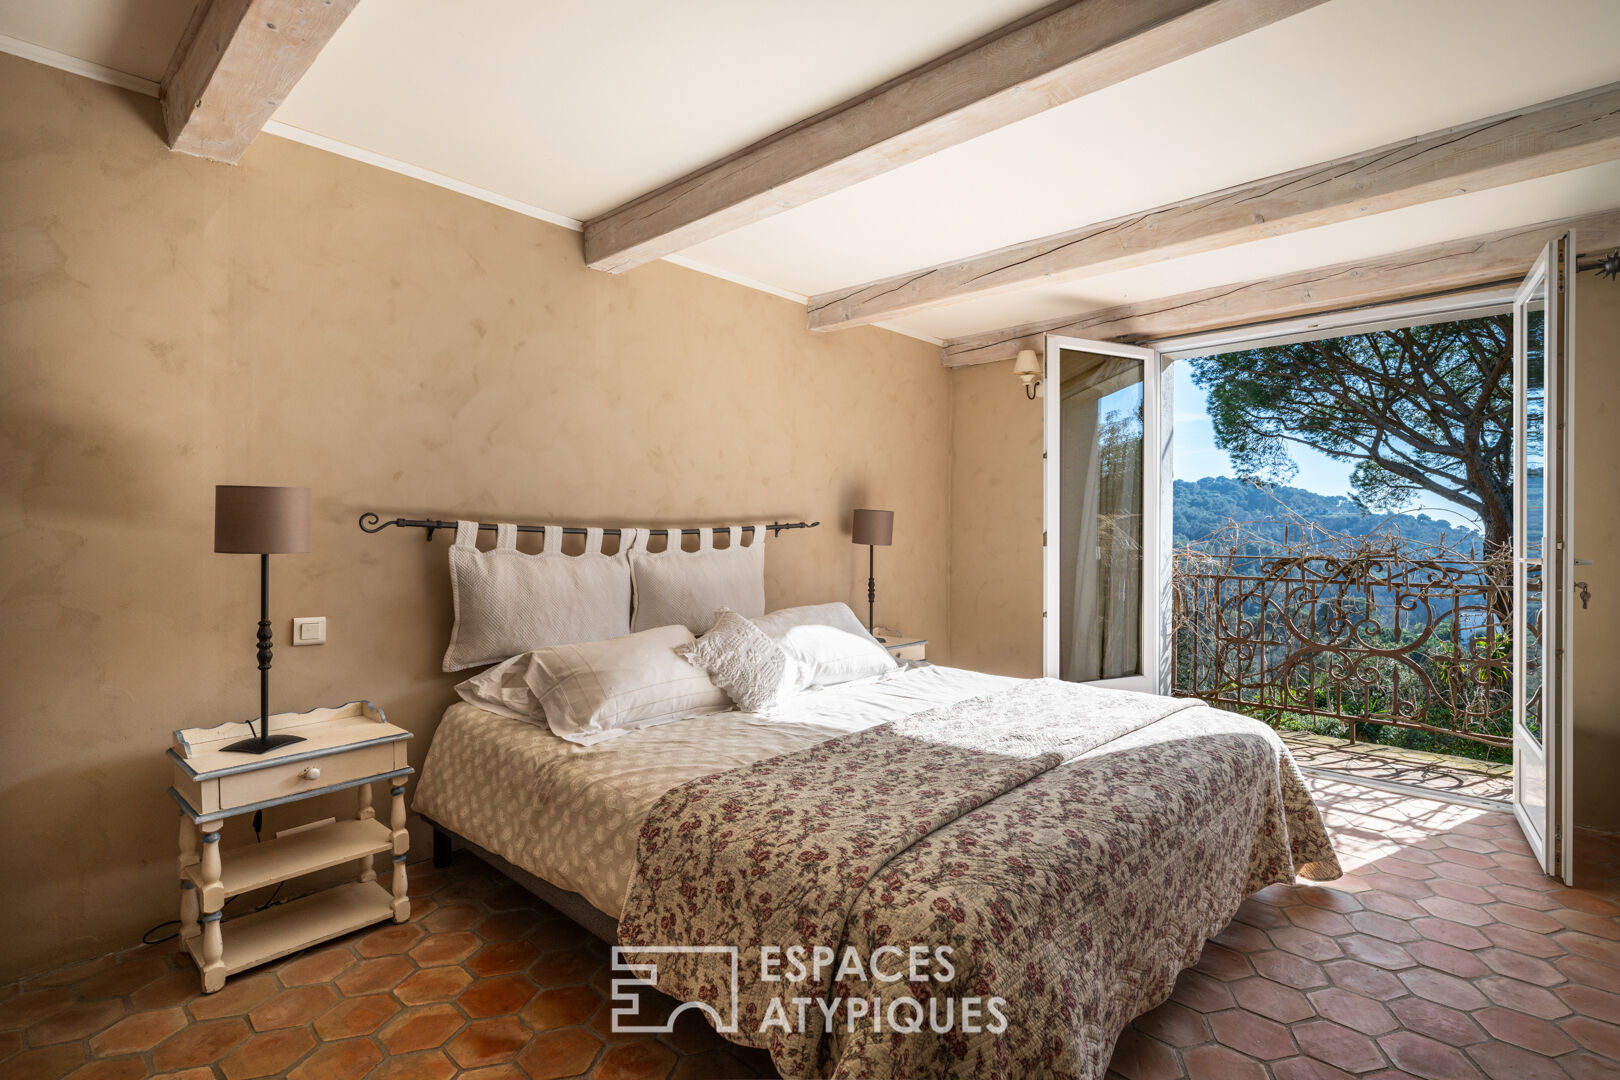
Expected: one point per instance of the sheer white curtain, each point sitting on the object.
(1100, 528)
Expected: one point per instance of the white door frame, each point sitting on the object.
(1156, 446)
(1550, 833)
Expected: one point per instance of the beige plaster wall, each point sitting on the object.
(167, 324)
(995, 522)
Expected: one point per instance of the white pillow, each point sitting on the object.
(601, 689)
(508, 602)
(827, 644)
(743, 662)
(688, 587)
(504, 691)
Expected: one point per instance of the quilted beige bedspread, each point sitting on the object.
(1056, 853)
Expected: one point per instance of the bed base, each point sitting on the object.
(591, 918)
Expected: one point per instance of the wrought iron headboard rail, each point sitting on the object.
(371, 523)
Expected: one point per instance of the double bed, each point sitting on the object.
(1070, 848)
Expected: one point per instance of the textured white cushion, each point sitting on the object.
(826, 643)
(750, 667)
(600, 689)
(688, 587)
(504, 691)
(508, 602)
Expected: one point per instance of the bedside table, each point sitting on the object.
(348, 747)
(905, 648)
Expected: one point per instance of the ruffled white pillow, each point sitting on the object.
(744, 662)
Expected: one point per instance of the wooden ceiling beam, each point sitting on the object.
(1557, 136)
(1407, 275)
(1060, 53)
(236, 63)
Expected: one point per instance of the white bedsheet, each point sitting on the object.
(571, 814)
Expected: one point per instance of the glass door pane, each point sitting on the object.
(1102, 534)
(1530, 452)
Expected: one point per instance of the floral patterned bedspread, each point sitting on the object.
(992, 889)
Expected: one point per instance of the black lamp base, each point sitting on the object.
(255, 745)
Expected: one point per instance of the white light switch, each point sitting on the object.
(309, 631)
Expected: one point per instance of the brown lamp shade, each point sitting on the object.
(261, 520)
(873, 527)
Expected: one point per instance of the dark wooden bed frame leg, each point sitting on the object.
(441, 847)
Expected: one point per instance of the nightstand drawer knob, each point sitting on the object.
(312, 772)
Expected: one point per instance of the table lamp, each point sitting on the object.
(262, 521)
(874, 528)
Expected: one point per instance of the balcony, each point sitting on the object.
(1371, 656)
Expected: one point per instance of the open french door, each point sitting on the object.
(1543, 559)
(1107, 429)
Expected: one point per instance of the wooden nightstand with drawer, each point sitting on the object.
(904, 648)
(349, 747)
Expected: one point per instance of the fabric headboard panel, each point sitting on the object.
(686, 587)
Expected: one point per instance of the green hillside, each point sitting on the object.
(1202, 507)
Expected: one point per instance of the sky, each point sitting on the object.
(1197, 456)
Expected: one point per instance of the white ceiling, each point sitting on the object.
(572, 107)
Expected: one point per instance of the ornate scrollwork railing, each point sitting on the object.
(1364, 633)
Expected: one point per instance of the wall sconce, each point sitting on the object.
(1028, 368)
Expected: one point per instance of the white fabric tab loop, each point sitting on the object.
(466, 534)
(553, 535)
(506, 537)
(734, 536)
(760, 532)
(593, 541)
(705, 539)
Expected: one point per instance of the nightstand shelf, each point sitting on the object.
(348, 748)
(300, 853)
(262, 936)
(906, 649)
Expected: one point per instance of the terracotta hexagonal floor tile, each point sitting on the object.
(1523, 997)
(200, 1044)
(1590, 1001)
(568, 967)
(508, 925)
(1171, 1024)
(375, 975)
(239, 996)
(270, 1054)
(356, 1016)
(78, 1021)
(1504, 1061)
(138, 1033)
(45, 1063)
(451, 947)
(1522, 941)
(30, 1008)
(502, 958)
(1600, 949)
(124, 1068)
(1541, 1036)
(1437, 1021)
(1449, 959)
(555, 1054)
(389, 940)
(124, 977)
(1355, 1012)
(1290, 970)
(1455, 934)
(1307, 944)
(175, 988)
(1338, 1046)
(1376, 951)
(1389, 904)
(640, 1060)
(1201, 993)
(485, 1042)
(1216, 1060)
(562, 1006)
(1417, 1055)
(497, 996)
(1304, 1068)
(426, 1065)
(1444, 989)
(313, 967)
(1364, 979)
(1384, 927)
(1269, 999)
(453, 917)
(1537, 922)
(1252, 1035)
(1517, 965)
(293, 1008)
(1323, 921)
(1594, 1035)
(346, 1060)
(421, 1028)
(433, 984)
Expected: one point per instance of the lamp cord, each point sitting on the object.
(258, 836)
